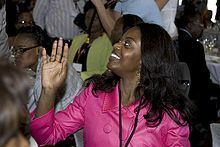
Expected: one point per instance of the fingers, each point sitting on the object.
(54, 50)
(59, 53)
(59, 50)
(44, 56)
(65, 53)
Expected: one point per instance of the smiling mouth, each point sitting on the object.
(115, 56)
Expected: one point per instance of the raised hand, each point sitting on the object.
(54, 69)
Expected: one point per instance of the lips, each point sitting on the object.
(115, 56)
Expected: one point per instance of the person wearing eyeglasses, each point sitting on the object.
(26, 46)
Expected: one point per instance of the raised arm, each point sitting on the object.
(108, 17)
(161, 3)
(54, 71)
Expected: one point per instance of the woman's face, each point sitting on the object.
(126, 55)
(25, 51)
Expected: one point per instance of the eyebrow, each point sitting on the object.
(131, 38)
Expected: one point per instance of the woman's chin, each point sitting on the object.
(110, 66)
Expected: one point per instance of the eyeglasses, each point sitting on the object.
(20, 50)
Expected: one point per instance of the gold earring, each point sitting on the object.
(138, 75)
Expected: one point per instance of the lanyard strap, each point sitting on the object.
(120, 122)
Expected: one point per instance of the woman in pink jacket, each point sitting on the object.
(137, 102)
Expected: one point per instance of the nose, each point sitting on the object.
(117, 45)
(116, 48)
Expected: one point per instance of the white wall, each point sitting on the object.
(212, 6)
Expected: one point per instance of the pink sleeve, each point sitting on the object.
(177, 136)
(50, 129)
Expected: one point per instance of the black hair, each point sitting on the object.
(123, 24)
(80, 18)
(37, 34)
(186, 18)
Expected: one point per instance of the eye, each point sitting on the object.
(127, 44)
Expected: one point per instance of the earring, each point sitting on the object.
(138, 75)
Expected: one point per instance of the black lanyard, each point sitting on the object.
(120, 123)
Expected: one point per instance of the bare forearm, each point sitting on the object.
(161, 3)
(106, 16)
(46, 102)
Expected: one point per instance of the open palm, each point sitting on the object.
(54, 69)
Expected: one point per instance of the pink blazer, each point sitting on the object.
(98, 116)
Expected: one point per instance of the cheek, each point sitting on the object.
(113, 64)
(131, 58)
(28, 58)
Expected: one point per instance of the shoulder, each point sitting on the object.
(169, 122)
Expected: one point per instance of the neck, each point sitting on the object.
(187, 31)
(127, 88)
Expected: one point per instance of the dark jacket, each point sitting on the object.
(192, 53)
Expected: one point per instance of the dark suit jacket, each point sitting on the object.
(192, 53)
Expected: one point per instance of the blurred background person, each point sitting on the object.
(147, 10)
(56, 17)
(26, 48)
(89, 51)
(13, 9)
(217, 15)
(207, 19)
(168, 9)
(191, 51)
(14, 117)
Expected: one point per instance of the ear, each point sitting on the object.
(140, 62)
